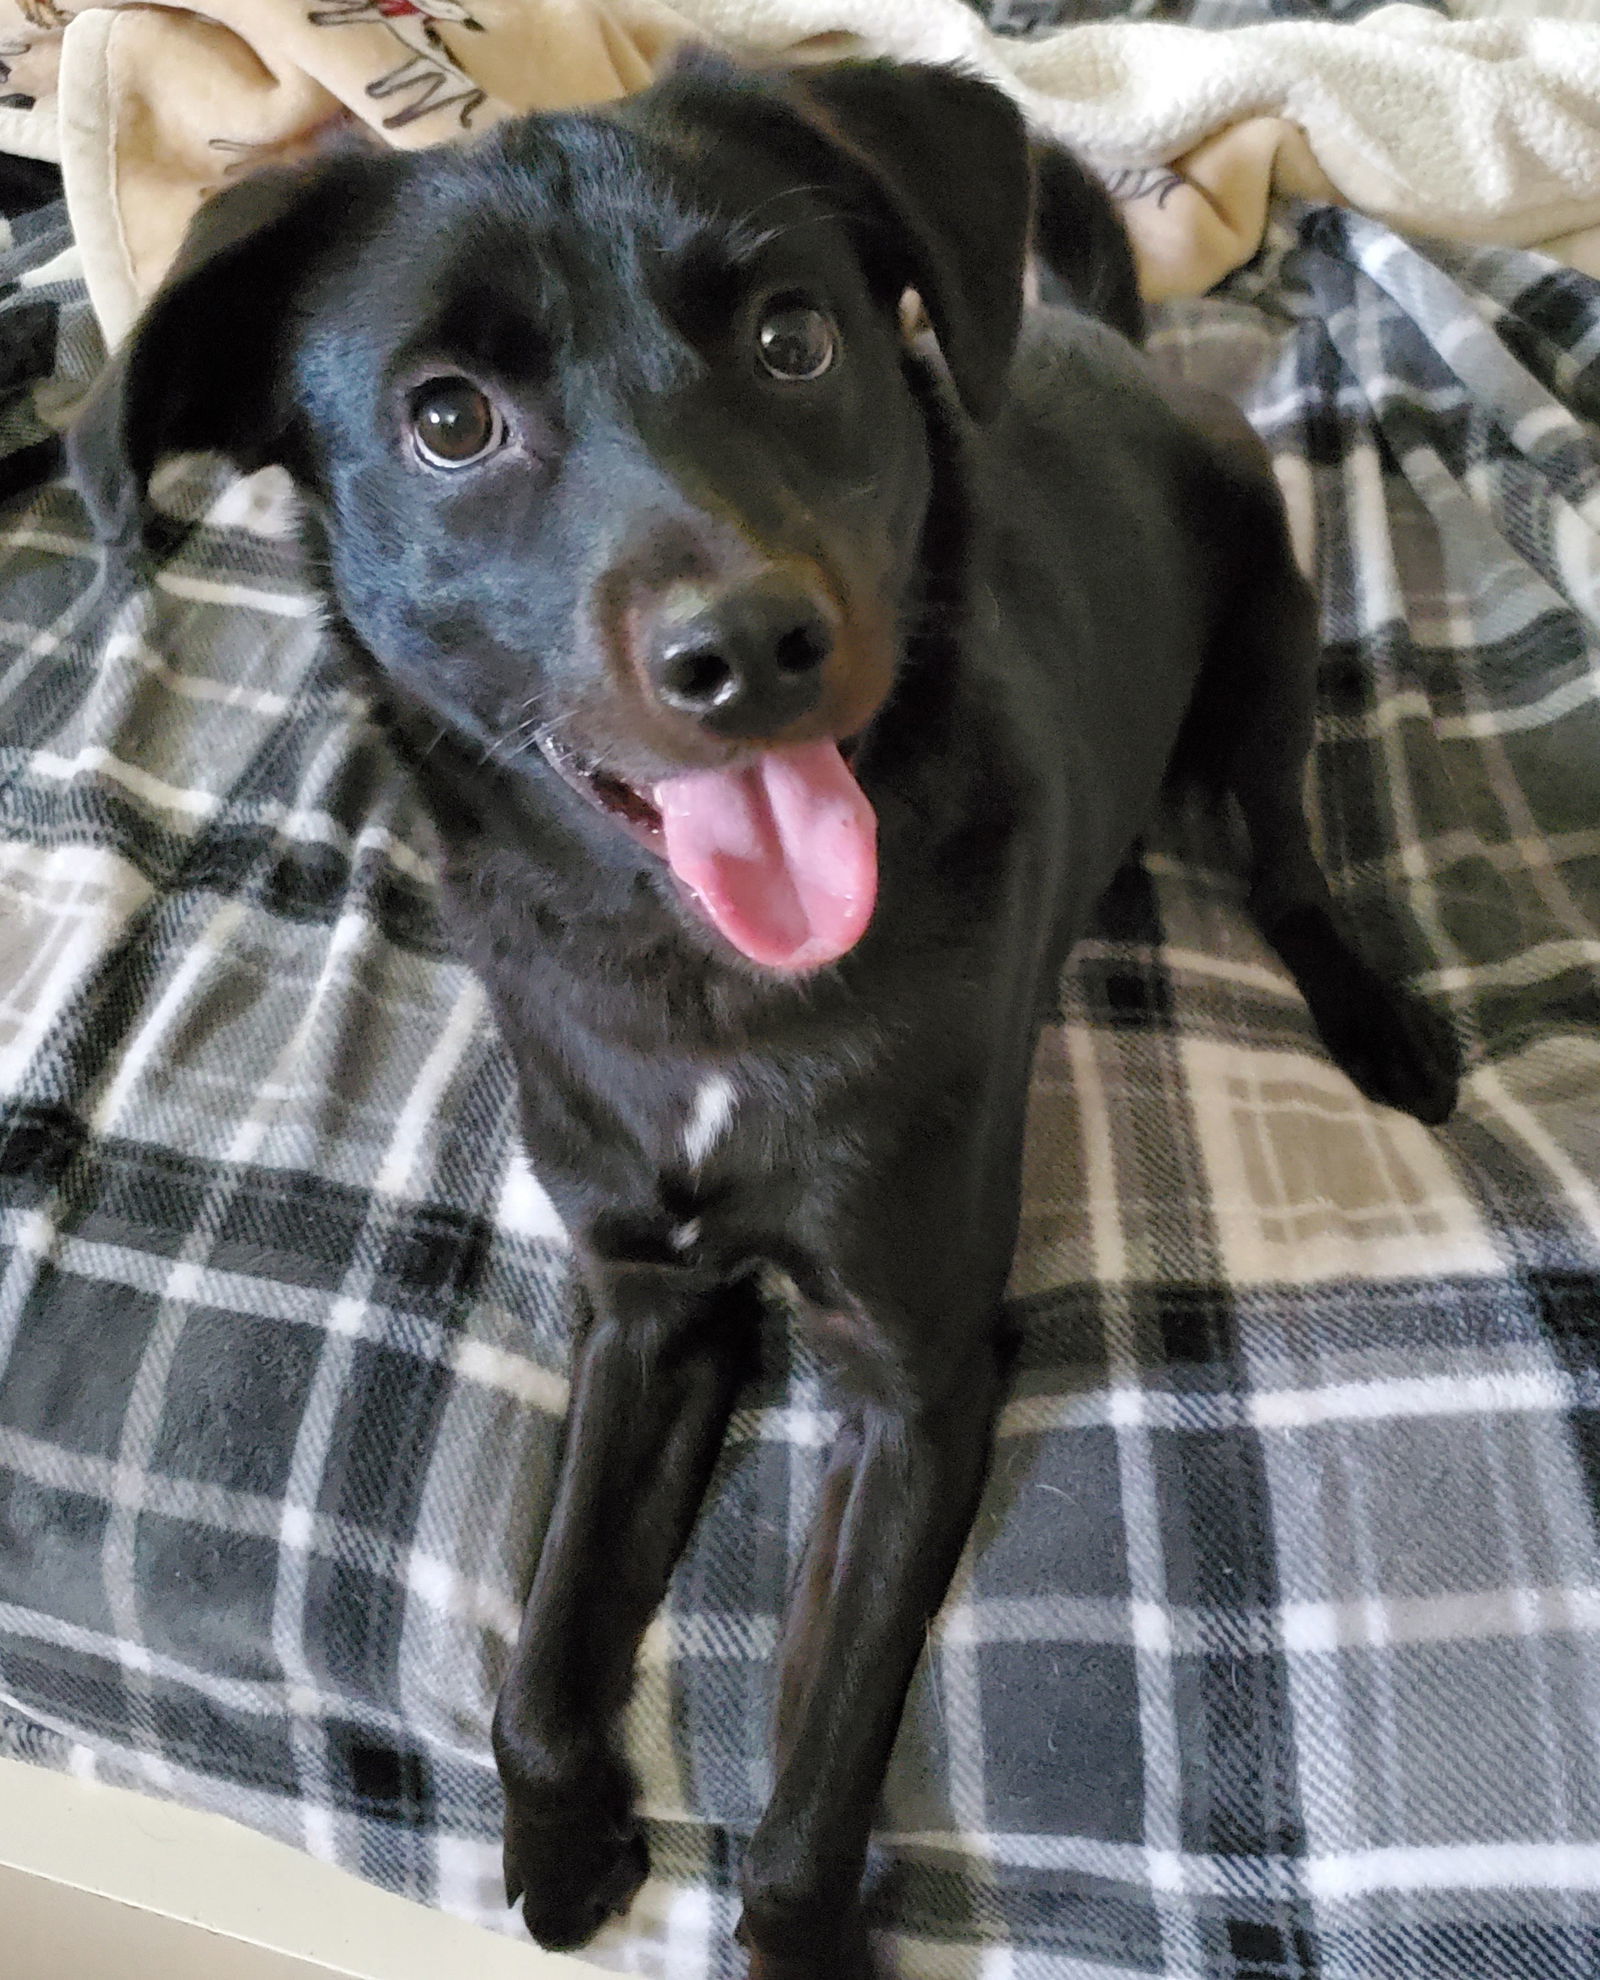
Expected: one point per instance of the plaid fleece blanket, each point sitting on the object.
(1276, 1653)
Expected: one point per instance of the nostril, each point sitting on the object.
(802, 650)
(698, 677)
(746, 660)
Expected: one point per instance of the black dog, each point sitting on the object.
(786, 696)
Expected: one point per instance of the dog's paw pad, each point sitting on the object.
(571, 1879)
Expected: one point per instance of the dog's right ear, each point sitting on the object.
(205, 366)
(934, 168)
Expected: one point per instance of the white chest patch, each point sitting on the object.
(708, 1118)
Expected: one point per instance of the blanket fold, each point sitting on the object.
(1474, 130)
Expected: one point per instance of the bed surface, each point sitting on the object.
(1274, 1654)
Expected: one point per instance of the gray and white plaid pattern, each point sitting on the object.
(1276, 1653)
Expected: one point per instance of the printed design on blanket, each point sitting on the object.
(340, 13)
(1277, 1648)
(1151, 182)
(429, 79)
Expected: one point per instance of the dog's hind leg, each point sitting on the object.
(1392, 1045)
(1395, 1048)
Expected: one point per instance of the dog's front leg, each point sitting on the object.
(653, 1384)
(897, 1502)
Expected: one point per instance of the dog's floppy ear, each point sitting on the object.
(204, 366)
(949, 158)
(935, 164)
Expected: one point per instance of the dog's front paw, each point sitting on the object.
(833, 1952)
(572, 1872)
(827, 1967)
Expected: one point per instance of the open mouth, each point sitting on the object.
(631, 808)
(778, 852)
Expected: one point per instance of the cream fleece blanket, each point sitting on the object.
(1481, 130)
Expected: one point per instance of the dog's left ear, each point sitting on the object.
(948, 158)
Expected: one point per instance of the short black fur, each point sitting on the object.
(1033, 564)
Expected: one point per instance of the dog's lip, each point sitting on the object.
(625, 804)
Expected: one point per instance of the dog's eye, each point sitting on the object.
(796, 341)
(453, 424)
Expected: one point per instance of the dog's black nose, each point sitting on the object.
(742, 662)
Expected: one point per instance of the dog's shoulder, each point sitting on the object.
(1076, 378)
(1102, 423)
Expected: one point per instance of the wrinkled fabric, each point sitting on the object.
(1479, 130)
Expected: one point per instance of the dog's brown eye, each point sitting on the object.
(453, 424)
(797, 341)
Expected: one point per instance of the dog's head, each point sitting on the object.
(607, 428)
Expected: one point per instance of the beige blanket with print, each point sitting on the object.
(1486, 130)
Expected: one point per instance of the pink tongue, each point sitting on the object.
(781, 853)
